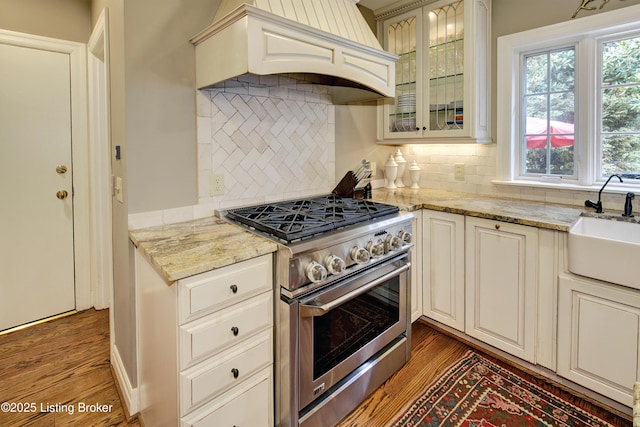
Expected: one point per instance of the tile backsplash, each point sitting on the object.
(271, 137)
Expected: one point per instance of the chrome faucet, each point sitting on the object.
(627, 205)
(598, 205)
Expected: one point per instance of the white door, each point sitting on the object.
(36, 226)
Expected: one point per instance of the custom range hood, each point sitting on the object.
(326, 38)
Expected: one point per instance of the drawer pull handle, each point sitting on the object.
(235, 373)
(234, 289)
(235, 330)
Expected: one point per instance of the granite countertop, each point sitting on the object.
(187, 248)
(535, 214)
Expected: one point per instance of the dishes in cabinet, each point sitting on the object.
(404, 125)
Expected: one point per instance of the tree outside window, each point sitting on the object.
(620, 122)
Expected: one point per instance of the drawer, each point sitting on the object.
(208, 292)
(250, 404)
(210, 378)
(211, 334)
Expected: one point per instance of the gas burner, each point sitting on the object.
(293, 220)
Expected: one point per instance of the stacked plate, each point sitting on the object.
(404, 125)
(407, 103)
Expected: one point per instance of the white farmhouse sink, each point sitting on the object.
(606, 249)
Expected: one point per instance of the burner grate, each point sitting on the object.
(299, 219)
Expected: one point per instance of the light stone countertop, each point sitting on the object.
(184, 249)
(535, 214)
(188, 248)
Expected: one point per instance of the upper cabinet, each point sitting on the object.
(442, 76)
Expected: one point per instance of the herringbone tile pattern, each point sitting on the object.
(270, 142)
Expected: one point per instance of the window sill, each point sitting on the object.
(611, 188)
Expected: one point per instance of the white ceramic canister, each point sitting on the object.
(391, 172)
(402, 163)
(414, 174)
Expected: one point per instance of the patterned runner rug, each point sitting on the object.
(475, 392)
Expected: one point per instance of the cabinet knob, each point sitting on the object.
(235, 373)
(235, 330)
(234, 289)
(497, 226)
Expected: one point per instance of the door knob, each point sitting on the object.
(61, 169)
(62, 194)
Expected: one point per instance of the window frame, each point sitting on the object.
(586, 35)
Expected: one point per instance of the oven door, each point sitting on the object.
(343, 326)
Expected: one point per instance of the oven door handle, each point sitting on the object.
(314, 309)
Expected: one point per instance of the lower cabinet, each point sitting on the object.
(480, 277)
(443, 268)
(206, 346)
(501, 280)
(599, 336)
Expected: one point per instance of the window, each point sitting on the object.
(571, 114)
(619, 89)
(548, 119)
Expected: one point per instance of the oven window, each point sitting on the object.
(347, 328)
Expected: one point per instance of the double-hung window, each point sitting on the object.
(569, 102)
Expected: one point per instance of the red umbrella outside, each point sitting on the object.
(561, 133)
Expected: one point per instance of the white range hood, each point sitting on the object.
(329, 38)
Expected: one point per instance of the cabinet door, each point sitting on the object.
(442, 75)
(443, 268)
(403, 37)
(445, 92)
(416, 268)
(599, 337)
(501, 278)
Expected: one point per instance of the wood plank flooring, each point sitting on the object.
(59, 364)
(431, 354)
(48, 371)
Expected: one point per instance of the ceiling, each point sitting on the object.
(376, 4)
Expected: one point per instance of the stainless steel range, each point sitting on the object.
(343, 321)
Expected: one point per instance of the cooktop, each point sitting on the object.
(292, 220)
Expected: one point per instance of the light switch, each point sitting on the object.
(117, 189)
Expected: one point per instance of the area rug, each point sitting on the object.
(475, 392)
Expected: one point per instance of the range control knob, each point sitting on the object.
(376, 249)
(334, 264)
(406, 237)
(360, 255)
(316, 272)
(394, 243)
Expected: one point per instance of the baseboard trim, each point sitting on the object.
(128, 394)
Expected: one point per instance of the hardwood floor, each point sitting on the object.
(49, 370)
(432, 352)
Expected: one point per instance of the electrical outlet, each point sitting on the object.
(458, 170)
(374, 168)
(216, 184)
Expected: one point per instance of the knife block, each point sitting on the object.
(346, 186)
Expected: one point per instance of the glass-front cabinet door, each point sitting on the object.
(442, 79)
(403, 35)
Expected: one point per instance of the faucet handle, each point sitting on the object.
(595, 205)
